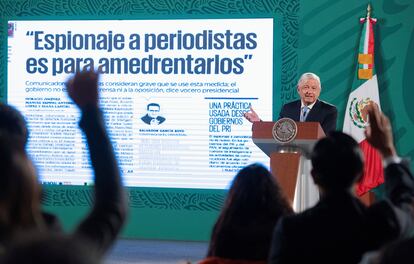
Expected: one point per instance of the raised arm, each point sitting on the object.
(379, 133)
(399, 181)
(108, 214)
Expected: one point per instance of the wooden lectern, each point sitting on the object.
(284, 157)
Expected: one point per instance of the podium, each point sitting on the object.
(285, 157)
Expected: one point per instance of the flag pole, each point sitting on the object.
(369, 10)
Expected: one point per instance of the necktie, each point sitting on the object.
(305, 111)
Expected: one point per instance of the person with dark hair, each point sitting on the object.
(19, 190)
(398, 252)
(308, 108)
(153, 115)
(13, 123)
(340, 229)
(253, 205)
(20, 193)
(44, 248)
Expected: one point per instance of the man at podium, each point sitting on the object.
(308, 108)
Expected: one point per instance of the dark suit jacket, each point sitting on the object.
(339, 229)
(147, 119)
(321, 112)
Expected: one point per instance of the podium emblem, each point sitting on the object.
(284, 130)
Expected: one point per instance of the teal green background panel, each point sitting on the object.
(329, 32)
(320, 36)
(157, 213)
(154, 213)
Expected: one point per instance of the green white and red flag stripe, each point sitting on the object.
(364, 92)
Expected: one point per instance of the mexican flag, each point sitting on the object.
(364, 92)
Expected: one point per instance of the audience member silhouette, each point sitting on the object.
(397, 252)
(339, 229)
(14, 124)
(243, 230)
(20, 209)
(400, 252)
(49, 248)
(19, 190)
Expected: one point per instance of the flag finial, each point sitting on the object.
(369, 10)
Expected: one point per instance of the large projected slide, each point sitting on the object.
(173, 93)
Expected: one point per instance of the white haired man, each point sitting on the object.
(308, 108)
